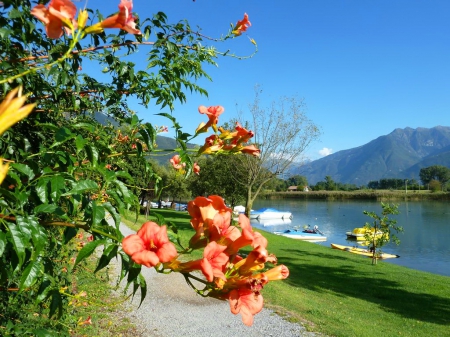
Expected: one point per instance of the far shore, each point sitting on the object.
(377, 195)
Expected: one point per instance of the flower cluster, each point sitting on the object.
(227, 274)
(222, 141)
(231, 142)
(59, 16)
(241, 26)
(12, 110)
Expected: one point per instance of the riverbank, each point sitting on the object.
(340, 294)
(377, 195)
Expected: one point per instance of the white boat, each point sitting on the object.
(300, 235)
(271, 222)
(238, 209)
(270, 213)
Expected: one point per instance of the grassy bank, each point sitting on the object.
(378, 195)
(341, 294)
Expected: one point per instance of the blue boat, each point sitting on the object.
(301, 235)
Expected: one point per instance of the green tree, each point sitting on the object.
(216, 179)
(297, 180)
(435, 186)
(330, 185)
(382, 229)
(435, 172)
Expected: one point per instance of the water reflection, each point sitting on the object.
(424, 243)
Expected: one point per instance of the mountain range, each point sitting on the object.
(400, 154)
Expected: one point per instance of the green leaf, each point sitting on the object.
(37, 234)
(83, 186)
(143, 286)
(98, 214)
(43, 333)
(109, 253)
(112, 211)
(24, 169)
(124, 191)
(19, 242)
(80, 142)
(56, 305)
(69, 234)
(92, 154)
(44, 288)
(123, 174)
(42, 189)
(30, 275)
(45, 208)
(133, 272)
(62, 136)
(57, 187)
(87, 250)
(2, 242)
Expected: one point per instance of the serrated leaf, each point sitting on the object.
(69, 234)
(80, 142)
(30, 275)
(112, 211)
(56, 303)
(124, 191)
(62, 136)
(143, 286)
(57, 186)
(19, 242)
(83, 186)
(45, 208)
(87, 250)
(44, 289)
(133, 272)
(123, 174)
(38, 236)
(24, 169)
(109, 253)
(92, 154)
(42, 190)
(97, 214)
(2, 242)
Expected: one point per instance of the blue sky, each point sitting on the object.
(363, 68)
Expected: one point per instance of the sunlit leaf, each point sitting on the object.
(31, 274)
(87, 250)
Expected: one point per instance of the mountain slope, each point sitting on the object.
(399, 154)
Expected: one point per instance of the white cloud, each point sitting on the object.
(325, 151)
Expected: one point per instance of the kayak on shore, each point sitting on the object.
(364, 252)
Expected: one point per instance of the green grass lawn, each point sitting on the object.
(342, 294)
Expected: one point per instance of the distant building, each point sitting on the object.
(306, 189)
(292, 189)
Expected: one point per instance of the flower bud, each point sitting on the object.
(82, 18)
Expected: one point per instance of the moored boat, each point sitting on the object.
(270, 213)
(364, 252)
(271, 222)
(300, 235)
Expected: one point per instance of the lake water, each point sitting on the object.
(424, 244)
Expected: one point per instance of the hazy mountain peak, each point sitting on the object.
(399, 154)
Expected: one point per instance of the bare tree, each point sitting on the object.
(282, 133)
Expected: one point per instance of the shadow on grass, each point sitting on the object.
(371, 285)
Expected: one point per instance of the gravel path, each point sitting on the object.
(172, 309)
